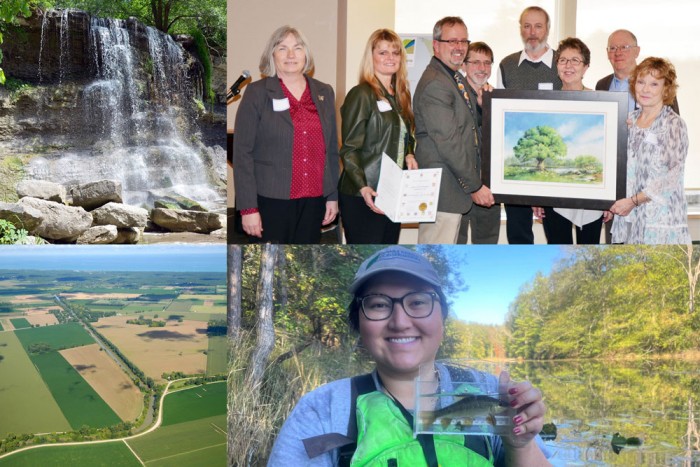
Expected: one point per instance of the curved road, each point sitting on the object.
(99, 441)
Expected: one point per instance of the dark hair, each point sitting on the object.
(354, 306)
(446, 21)
(576, 44)
(659, 68)
(482, 47)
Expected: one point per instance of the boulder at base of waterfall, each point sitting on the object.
(120, 215)
(177, 202)
(128, 236)
(22, 217)
(95, 194)
(98, 235)
(42, 189)
(186, 221)
(58, 221)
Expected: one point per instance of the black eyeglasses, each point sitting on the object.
(378, 307)
(454, 42)
(565, 61)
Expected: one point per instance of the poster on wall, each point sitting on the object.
(419, 51)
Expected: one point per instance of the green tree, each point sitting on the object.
(588, 163)
(9, 11)
(540, 143)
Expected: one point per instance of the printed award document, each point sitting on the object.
(407, 195)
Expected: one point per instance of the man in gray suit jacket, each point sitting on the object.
(447, 133)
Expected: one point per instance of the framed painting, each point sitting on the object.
(555, 148)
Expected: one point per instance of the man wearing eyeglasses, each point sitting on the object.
(447, 133)
(623, 52)
(532, 68)
(484, 221)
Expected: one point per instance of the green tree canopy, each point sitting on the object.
(540, 143)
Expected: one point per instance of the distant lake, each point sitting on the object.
(589, 401)
(172, 257)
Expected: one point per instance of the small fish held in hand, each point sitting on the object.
(465, 410)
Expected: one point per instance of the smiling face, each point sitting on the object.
(289, 57)
(478, 68)
(452, 56)
(623, 60)
(386, 59)
(400, 344)
(534, 31)
(571, 75)
(649, 91)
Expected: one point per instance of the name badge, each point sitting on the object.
(651, 139)
(280, 105)
(383, 106)
(545, 86)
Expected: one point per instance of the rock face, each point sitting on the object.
(101, 234)
(95, 194)
(120, 215)
(186, 221)
(22, 217)
(107, 99)
(58, 222)
(43, 190)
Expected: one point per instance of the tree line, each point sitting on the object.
(609, 301)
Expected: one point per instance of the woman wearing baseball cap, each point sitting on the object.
(399, 309)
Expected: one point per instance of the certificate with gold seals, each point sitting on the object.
(407, 195)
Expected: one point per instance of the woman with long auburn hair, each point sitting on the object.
(376, 119)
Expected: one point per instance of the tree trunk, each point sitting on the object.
(265, 341)
(233, 315)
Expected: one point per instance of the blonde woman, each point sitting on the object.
(376, 118)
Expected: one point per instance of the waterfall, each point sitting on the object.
(136, 111)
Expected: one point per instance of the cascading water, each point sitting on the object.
(136, 110)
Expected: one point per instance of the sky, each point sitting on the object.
(170, 257)
(494, 274)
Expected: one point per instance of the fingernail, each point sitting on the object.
(517, 430)
(512, 391)
(518, 420)
(514, 402)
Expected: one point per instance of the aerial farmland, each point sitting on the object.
(115, 365)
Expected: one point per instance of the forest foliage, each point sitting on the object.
(606, 302)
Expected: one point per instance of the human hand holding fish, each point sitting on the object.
(530, 408)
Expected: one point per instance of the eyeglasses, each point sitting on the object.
(454, 42)
(622, 48)
(378, 307)
(565, 61)
(478, 63)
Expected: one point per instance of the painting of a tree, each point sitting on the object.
(540, 143)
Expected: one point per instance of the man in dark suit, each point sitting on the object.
(447, 133)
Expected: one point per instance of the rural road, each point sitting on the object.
(100, 441)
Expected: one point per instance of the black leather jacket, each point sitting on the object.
(367, 133)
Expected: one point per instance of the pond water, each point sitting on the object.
(656, 403)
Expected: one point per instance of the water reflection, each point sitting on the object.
(591, 401)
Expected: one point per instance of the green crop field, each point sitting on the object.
(181, 306)
(58, 337)
(80, 404)
(216, 310)
(217, 355)
(114, 454)
(195, 403)
(26, 403)
(143, 307)
(20, 323)
(189, 444)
